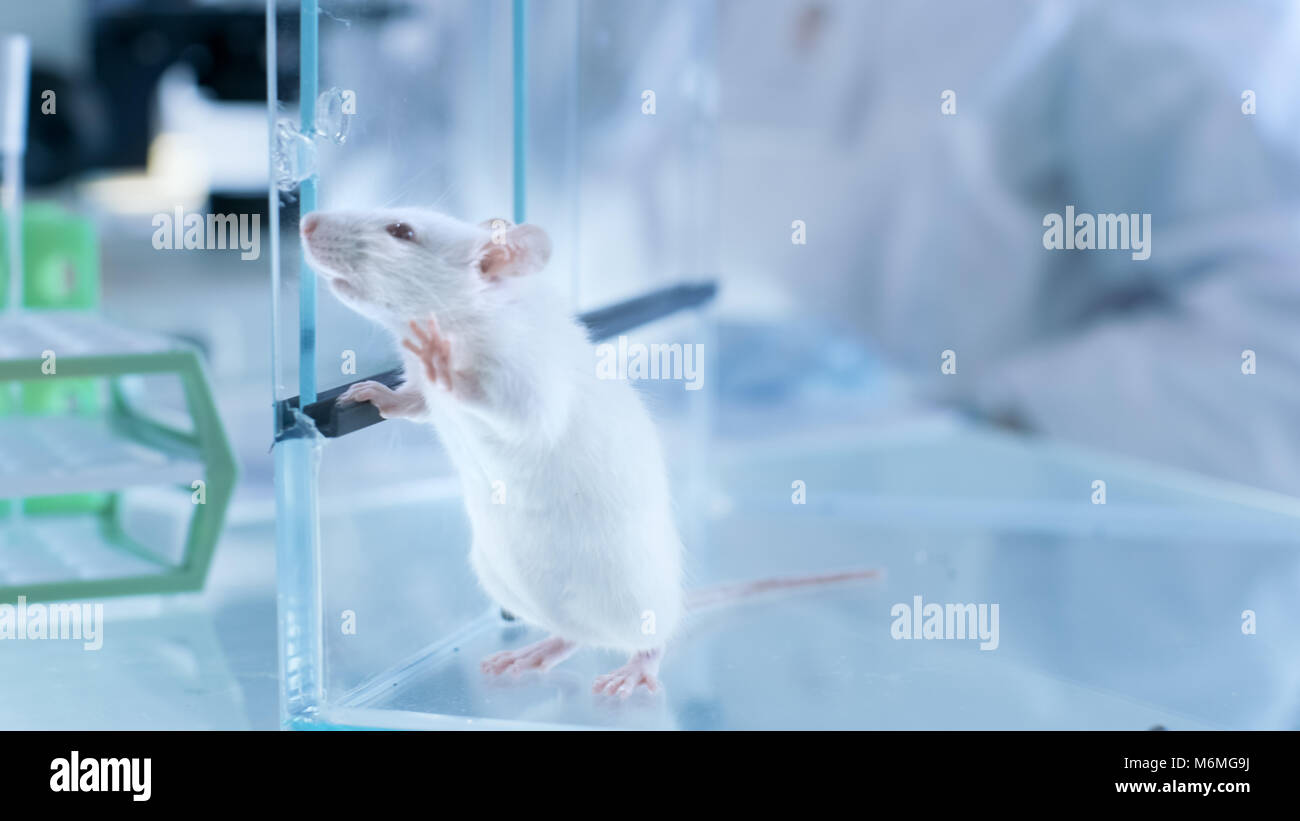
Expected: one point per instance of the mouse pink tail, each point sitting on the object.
(728, 593)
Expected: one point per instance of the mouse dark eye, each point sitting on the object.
(400, 230)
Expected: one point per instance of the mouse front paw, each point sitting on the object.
(432, 350)
(391, 404)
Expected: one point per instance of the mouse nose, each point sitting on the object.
(309, 224)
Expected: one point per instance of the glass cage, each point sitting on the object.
(598, 121)
(479, 110)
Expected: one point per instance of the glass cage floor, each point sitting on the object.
(1126, 615)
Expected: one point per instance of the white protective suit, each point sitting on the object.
(925, 230)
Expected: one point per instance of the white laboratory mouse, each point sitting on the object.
(562, 472)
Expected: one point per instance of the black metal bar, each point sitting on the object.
(333, 419)
(603, 323)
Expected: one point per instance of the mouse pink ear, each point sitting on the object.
(515, 251)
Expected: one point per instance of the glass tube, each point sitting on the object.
(15, 72)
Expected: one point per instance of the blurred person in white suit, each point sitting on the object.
(925, 229)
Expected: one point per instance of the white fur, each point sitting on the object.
(585, 545)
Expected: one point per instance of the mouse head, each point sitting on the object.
(397, 265)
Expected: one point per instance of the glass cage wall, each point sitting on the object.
(481, 109)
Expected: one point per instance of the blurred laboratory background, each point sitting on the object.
(869, 183)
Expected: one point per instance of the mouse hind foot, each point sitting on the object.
(541, 656)
(642, 669)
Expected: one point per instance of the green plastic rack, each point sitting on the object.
(111, 448)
